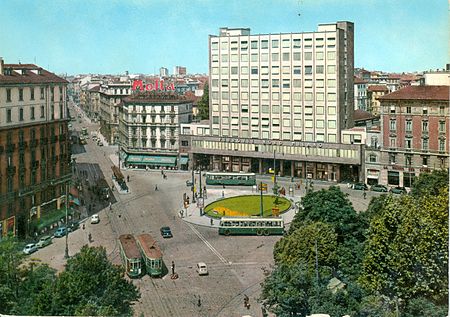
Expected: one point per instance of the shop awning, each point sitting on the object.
(184, 160)
(152, 160)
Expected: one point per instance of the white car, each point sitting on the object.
(95, 219)
(202, 269)
(30, 248)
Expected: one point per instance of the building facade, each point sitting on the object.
(287, 95)
(34, 146)
(150, 128)
(111, 95)
(374, 92)
(415, 133)
(360, 94)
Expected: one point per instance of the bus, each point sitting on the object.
(251, 226)
(151, 254)
(131, 257)
(221, 178)
(101, 189)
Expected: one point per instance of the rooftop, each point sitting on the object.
(28, 74)
(419, 93)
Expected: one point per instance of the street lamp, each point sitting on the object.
(193, 184)
(275, 187)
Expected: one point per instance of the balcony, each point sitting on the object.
(10, 148)
(11, 170)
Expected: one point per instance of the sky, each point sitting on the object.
(140, 36)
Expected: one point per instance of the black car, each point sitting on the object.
(398, 190)
(166, 233)
(360, 186)
(379, 188)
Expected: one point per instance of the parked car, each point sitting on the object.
(360, 186)
(44, 241)
(189, 183)
(95, 219)
(379, 188)
(99, 143)
(74, 226)
(166, 232)
(398, 190)
(202, 269)
(30, 248)
(60, 232)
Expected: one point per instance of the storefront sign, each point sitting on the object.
(157, 85)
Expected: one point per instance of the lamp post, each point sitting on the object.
(193, 184)
(275, 187)
(66, 253)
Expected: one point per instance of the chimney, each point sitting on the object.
(2, 65)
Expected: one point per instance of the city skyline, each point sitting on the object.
(141, 36)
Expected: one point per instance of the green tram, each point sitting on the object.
(251, 226)
(131, 257)
(219, 178)
(151, 254)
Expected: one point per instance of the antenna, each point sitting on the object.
(299, 2)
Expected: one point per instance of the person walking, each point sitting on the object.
(110, 205)
(173, 268)
(156, 188)
(128, 178)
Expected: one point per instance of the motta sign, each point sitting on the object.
(157, 85)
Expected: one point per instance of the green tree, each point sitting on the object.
(90, 284)
(430, 183)
(287, 290)
(203, 104)
(300, 246)
(10, 273)
(406, 254)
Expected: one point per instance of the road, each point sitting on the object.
(236, 264)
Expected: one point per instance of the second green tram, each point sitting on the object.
(219, 178)
(251, 226)
(131, 257)
(151, 254)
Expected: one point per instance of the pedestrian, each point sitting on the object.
(173, 268)
(84, 226)
(212, 221)
(128, 178)
(364, 194)
(199, 302)
(110, 206)
(156, 188)
(223, 194)
(90, 237)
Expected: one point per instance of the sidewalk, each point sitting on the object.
(192, 213)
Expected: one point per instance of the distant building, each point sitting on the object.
(179, 71)
(150, 128)
(360, 91)
(34, 146)
(437, 77)
(163, 72)
(415, 129)
(373, 93)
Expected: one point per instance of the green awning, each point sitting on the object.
(184, 160)
(152, 160)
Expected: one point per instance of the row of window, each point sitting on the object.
(275, 57)
(275, 83)
(32, 112)
(275, 43)
(264, 70)
(275, 122)
(409, 125)
(276, 135)
(32, 93)
(285, 96)
(408, 110)
(393, 159)
(425, 144)
(287, 109)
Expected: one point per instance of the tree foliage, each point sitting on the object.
(203, 104)
(407, 252)
(300, 246)
(430, 183)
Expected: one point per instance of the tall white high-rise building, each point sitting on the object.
(281, 101)
(291, 86)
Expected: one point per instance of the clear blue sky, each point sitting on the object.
(112, 36)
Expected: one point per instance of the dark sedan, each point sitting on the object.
(360, 186)
(166, 232)
(379, 188)
(398, 190)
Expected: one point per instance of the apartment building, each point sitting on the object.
(286, 95)
(34, 147)
(415, 130)
(111, 95)
(150, 127)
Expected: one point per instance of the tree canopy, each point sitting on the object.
(430, 183)
(203, 104)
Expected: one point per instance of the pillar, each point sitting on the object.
(281, 168)
(304, 174)
(292, 169)
(260, 167)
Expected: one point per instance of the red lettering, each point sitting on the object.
(149, 87)
(170, 87)
(137, 84)
(161, 84)
(156, 85)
